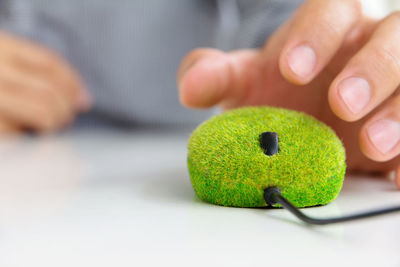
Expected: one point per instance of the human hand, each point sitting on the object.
(38, 90)
(329, 60)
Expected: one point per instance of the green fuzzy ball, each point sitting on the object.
(228, 167)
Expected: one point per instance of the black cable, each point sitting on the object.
(272, 195)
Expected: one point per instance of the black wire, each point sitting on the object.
(272, 196)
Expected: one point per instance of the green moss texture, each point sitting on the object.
(228, 167)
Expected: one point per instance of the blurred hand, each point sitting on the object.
(328, 60)
(38, 90)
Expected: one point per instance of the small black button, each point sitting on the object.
(269, 143)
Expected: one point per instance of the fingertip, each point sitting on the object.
(185, 95)
(193, 57)
(190, 91)
(186, 64)
(297, 64)
(368, 148)
(335, 104)
(379, 139)
(338, 106)
(204, 83)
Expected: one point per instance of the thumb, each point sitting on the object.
(208, 77)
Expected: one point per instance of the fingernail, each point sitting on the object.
(182, 71)
(355, 93)
(302, 60)
(384, 134)
(205, 63)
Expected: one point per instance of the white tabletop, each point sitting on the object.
(125, 199)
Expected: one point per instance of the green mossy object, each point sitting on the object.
(228, 167)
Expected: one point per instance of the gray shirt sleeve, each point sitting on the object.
(261, 18)
(249, 23)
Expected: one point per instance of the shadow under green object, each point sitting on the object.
(228, 167)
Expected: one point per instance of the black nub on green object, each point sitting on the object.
(269, 143)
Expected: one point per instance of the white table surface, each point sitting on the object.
(125, 199)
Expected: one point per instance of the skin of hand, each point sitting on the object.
(39, 91)
(329, 60)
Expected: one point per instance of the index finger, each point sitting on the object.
(317, 31)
